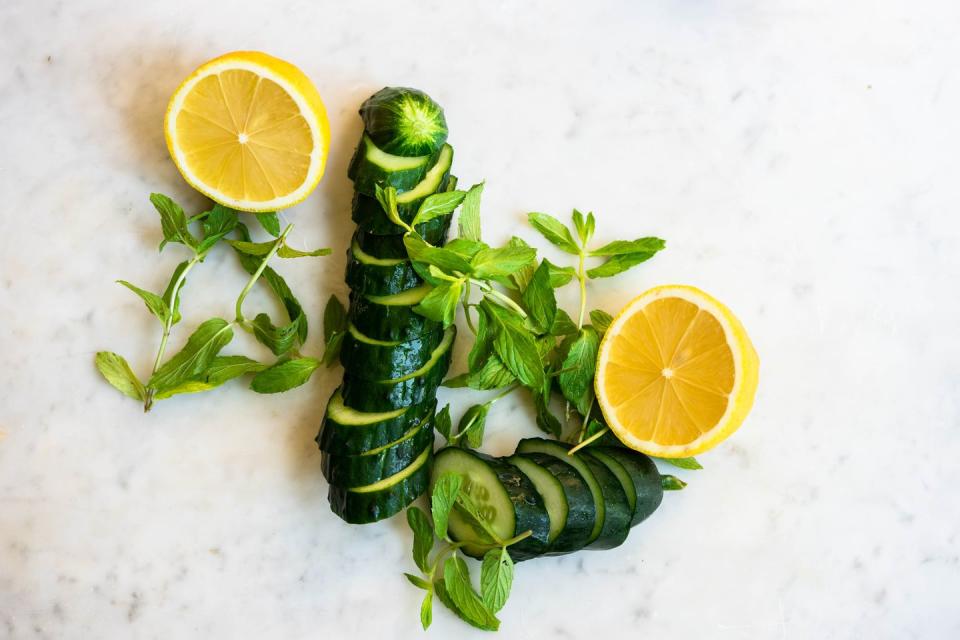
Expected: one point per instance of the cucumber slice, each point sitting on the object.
(346, 431)
(645, 476)
(412, 388)
(506, 497)
(369, 215)
(580, 515)
(370, 359)
(550, 490)
(391, 318)
(371, 166)
(379, 500)
(612, 511)
(617, 469)
(404, 121)
(379, 276)
(377, 464)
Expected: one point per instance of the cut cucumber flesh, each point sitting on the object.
(382, 499)
(391, 318)
(617, 511)
(404, 121)
(617, 469)
(646, 480)
(506, 499)
(346, 431)
(412, 388)
(559, 450)
(550, 490)
(371, 166)
(370, 359)
(581, 512)
(377, 464)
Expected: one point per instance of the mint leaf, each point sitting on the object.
(539, 299)
(426, 610)
(456, 382)
(496, 578)
(472, 425)
(279, 339)
(469, 221)
(545, 418)
(591, 227)
(623, 247)
(388, 200)
(683, 463)
(443, 259)
(436, 205)
(334, 318)
(441, 303)
(118, 373)
(443, 423)
(579, 365)
(173, 221)
(601, 320)
(168, 299)
(289, 252)
(515, 345)
(221, 370)
(562, 324)
(584, 229)
(483, 342)
(442, 499)
(619, 264)
(456, 578)
(155, 304)
(422, 537)
(252, 248)
(465, 248)
(492, 375)
(672, 483)
(521, 278)
(503, 261)
(217, 223)
(417, 581)
(331, 352)
(559, 276)
(284, 375)
(554, 231)
(202, 347)
(270, 223)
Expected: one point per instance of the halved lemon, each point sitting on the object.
(676, 372)
(250, 131)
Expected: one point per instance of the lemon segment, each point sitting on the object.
(676, 372)
(250, 131)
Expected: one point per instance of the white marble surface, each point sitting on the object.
(800, 158)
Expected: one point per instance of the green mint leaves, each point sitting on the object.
(198, 366)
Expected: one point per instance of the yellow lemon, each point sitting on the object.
(676, 372)
(250, 131)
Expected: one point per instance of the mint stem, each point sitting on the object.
(487, 289)
(586, 442)
(240, 320)
(581, 276)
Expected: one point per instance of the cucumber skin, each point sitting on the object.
(366, 361)
(364, 508)
(339, 439)
(366, 175)
(581, 514)
(379, 280)
(646, 478)
(359, 470)
(392, 247)
(385, 395)
(617, 511)
(390, 323)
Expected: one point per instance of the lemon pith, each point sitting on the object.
(676, 372)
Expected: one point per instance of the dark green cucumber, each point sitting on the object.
(377, 464)
(612, 511)
(412, 388)
(369, 503)
(646, 480)
(369, 359)
(391, 318)
(620, 472)
(346, 431)
(379, 276)
(370, 216)
(371, 166)
(577, 515)
(404, 121)
(506, 498)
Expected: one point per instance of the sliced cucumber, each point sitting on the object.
(506, 498)
(580, 515)
(346, 431)
(391, 318)
(645, 476)
(381, 462)
(617, 469)
(370, 359)
(379, 500)
(370, 216)
(379, 276)
(371, 166)
(412, 388)
(550, 490)
(404, 121)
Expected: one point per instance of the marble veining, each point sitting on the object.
(799, 158)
